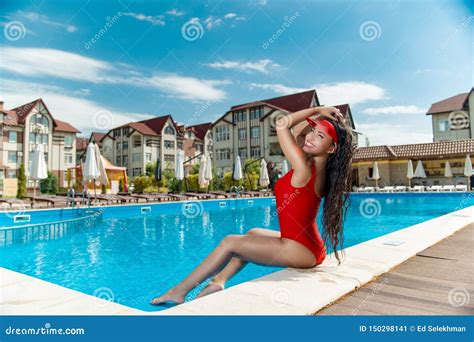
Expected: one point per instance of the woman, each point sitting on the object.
(321, 167)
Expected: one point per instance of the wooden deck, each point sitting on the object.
(437, 281)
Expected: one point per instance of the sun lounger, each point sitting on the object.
(448, 188)
(461, 187)
(400, 188)
(417, 188)
(51, 200)
(200, 195)
(222, 193)
(434, 188)
(183, 197)
(12, 201)
(368, 189)
(387, 189)
(152, 197)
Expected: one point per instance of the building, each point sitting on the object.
(198, 140)
(23, 127)
(81, 145)
(136, 144)
(452, 118)
(248, 129)
(393, 163)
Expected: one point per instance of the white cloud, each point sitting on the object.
(50, 62)
(189, 88)
(43, 19)
(394, 110)
(264, 65)
(277, 88)
(154, 19)
(333, 93)
(38, 62)
(393, 134)
(64, 105)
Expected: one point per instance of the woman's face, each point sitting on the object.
(318, 141)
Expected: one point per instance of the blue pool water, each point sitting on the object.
(130, 254)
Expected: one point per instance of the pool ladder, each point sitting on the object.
(237, 189)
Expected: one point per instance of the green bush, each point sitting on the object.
(120, 187)
(141, 183)
(49, 185)
(21, 188)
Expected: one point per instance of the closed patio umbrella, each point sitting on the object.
(237, 174)
(208, 173)
(420, 171)
(468, 171)
(38, 169)
(264, 178)
(203, 182)
(158, 170)
(90, 168)
(448, 173)
(376, 174)
(410, 174)
(102, 179)
(179, 171)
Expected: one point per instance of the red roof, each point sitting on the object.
(81, 144)
(291, 103)
(62, 126)
(201, 129)
(439, 149)
(456, 102)
(152, 126)
(17, 117)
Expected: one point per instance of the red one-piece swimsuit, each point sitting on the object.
(297, 209)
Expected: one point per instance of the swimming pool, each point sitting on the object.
(129, 254)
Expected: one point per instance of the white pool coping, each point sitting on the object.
(287, 292)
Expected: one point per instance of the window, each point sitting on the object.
(136, 157)
(444, 125)
(117, 145)
(255, 132)
(125, 160)
(243, 153)
(11, 174)
(125, 145)
(242, 133)
(137, 141)
(255, 151)
(169, 158)
(240, 115)
(148, 157)
(44, 138)
(169, 130)
(68, 140)
(256, 113)
(12, 157)
(117, 132)
(12, 137)
(180, 145)
(169, 144)
(136, 171)
(223, 154)
(126, 130)
(68, 158)
(199, 147)
(222, 133)
(119, 160)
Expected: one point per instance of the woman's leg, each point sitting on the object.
(263, 250)
(234, 266)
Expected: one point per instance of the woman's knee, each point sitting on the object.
(230, 240)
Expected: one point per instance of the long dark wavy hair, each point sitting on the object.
(337, 186)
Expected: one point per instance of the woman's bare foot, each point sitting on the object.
(172, 295)
(210, 288)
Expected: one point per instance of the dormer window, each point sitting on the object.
(169, 130)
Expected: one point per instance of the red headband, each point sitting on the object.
(328, 127)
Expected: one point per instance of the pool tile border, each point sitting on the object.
(287, 292)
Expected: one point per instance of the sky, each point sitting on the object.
(100, 64)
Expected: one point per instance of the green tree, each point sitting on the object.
(21, 188)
